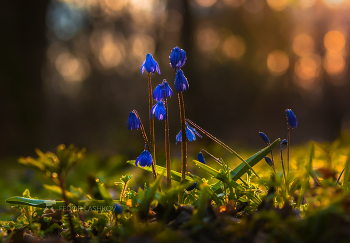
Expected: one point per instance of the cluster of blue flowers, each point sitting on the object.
(292, 122)
(161, 92)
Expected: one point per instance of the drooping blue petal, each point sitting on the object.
(179, 137)
(284, 142)
(118, 209)
(201, 158)
(190, 134)
(193, 130)
(177, 58)
(292, 120)
(158, 110)
(268, 160)
(150, 65)
(133, 121)
(168, 91)
(181, 83)
(144, 159)
(158, 93)
(264, 137)
(191, 187)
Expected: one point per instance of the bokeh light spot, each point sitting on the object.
(234, 47)
(277, 5)
(334, 63)
(333, 3)
(141, 44)
(303, 45)
(334, 41)
(72, 68)
(308, 67)
(206, 3)
(277, 62)
(234, 3)
(304, 4)
(115, 5)
(207, 39)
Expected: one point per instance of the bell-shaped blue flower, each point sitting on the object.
(158, 110)
(144, 159)
(284, 142)
(292, 120)
(150, 65)
(190, 134)
(264, 137)
(181, 83)
(158, 93)
(268, 160)
(191, 187)
(201, 158)
(177, 58)
(118, 209)
(133, 121)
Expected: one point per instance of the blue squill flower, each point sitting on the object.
(284, 142)
(264, 137)
(181, 83)
(177, 58)
(150, 65)
(158, 93)
(118, 209)
(190, 134)
(201, 158)
(158, 110)
(191, 187)
(144, 159)
(292, 120)
(133, 121)
(268, 160)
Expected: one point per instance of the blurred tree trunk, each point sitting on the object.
(22, 48)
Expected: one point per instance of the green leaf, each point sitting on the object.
(105, 193)
(39, 203)
(222, 177)
(242, 168)
(176, 176)
(58, 192)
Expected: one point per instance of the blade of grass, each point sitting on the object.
(306, 176)
(39, 203)
(241, 169)
(346, 176)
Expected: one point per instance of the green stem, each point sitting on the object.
(284, 172)
(223, 145)
(167, 144)
(288, 138)
(273, 162)
(151, 127)
(184, 137)
(61, 182)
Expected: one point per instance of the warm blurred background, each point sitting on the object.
(70, 70)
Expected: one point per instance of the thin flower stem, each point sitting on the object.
(184, 137)
(220, 162)
(273, 162)
(167, 144)
(288, 138)
(222, 144)
(284, 172)
(151, 127)
(61, 184)
(142, 129)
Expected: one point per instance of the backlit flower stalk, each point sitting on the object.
(267, 141)
(291, 124)
(284, 142)
(177, 60)
(223, 145)
(151, 66)
(134, 123)
(161, 92)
